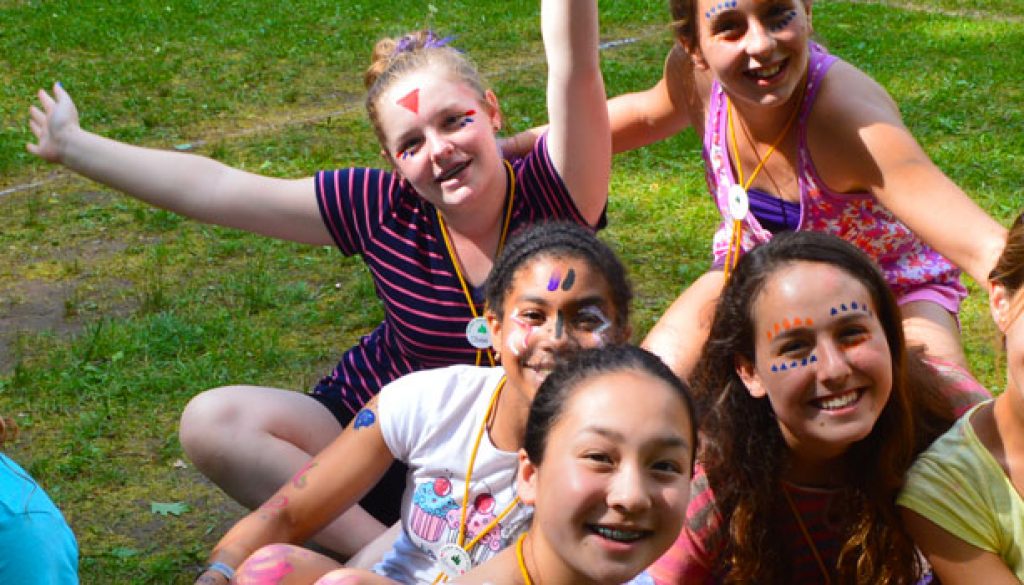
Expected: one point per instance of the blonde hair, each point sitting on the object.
(392, 59)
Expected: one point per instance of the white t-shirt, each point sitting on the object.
(430, 420)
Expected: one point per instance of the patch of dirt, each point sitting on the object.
(57, 306)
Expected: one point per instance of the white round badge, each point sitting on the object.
(739, 205)
(454, 559)
(478, 334)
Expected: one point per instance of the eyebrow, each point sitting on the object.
(839, 320)
(666, 440)
(591, 300)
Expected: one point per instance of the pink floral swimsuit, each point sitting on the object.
(913, 270)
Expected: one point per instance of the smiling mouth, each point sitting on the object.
(839, 401)
(451, 172)
(763, 73)
(618, 534)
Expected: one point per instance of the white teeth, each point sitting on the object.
(838, 402)
(619, 535)
(766, 72)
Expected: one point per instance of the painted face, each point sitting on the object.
(556, 306)
(757, 49)
(611, 494)
(440, 136)
(821, 358)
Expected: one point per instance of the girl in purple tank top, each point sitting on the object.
(811, 143)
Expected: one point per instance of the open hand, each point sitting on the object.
(53, 124)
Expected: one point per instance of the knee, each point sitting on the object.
(269, 564)
(208, 415)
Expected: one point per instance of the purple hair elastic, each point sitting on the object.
(408, 42)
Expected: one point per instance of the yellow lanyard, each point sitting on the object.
(732, 256)
(455, 259)
(522, 560)
(442, 576)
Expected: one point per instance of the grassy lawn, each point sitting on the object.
(114, 314)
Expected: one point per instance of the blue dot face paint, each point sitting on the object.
(365, 418)
(850, 307)
(720, 7)
(790, 364)
(784, 22)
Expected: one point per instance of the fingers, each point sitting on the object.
(45, 100)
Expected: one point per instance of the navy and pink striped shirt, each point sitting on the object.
(378, 215)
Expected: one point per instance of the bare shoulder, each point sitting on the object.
(851, 120)
(688, 85)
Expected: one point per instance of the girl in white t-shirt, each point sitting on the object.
(555, 289)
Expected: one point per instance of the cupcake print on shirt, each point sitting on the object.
(431, 503)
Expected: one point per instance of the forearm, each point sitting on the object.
(175, 181)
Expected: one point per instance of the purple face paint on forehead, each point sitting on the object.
(720, 7)
(556, 277)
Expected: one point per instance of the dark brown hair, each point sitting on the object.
(744, 452)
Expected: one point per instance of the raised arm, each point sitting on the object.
(578, 136)
(331, 483)
(643, 117)
(867, 147)
(188, 184)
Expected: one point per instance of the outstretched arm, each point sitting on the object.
(332, 482)
(188, 184)
(865, 146)
(578, 136)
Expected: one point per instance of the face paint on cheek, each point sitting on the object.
(789, 365)
(788, 18)
(411, 101)
(522, 335)
(467, 118)
(600, 332)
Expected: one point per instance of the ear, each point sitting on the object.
(526, 480)
(493, 109)
(384, 154)
(494, 325)
(694, 53)
(748, 374)
(999, 304)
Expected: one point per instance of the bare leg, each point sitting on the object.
(250, 440)
(928, 324)
(374, 552)
(678, 337)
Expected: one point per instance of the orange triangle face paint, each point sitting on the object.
(411, 101)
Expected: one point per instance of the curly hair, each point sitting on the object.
(393, 59)
(744, 451)
(559, 239)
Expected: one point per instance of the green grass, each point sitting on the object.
(151, 308)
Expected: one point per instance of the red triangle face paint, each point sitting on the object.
(411, 101)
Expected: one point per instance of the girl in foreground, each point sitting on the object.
(962, 503)
(428, 228)
(813, 412)
(606, 464)
(554, 289)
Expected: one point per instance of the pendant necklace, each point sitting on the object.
(455, 557)
(739, 202)
(477, 332)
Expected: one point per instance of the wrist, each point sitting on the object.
(216, 573)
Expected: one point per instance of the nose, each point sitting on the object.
(439, 146)
(833, 365)
(557, 335)
(760, 41)
(628, 491)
